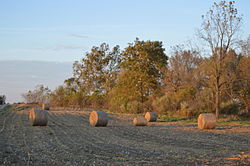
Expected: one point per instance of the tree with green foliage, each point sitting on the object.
(97, 71)
(59, 96)
(142, 66)
(93, 77)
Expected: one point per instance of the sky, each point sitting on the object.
(21, 76)
(64, 30)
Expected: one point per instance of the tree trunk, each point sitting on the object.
(217, 103)
(217, 96)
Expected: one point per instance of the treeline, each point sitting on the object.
(143, 78)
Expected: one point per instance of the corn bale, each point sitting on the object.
(151, 116)
(45, 106)
(140, 121)
(98, 119)
(38, 117)
(206, 121)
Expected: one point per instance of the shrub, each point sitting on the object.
(230, 108)
(165, 105)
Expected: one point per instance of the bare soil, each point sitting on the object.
(69, 140)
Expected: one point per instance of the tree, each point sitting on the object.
(180, 83)
(2, 99)
(97, 71)
(93, 77)
(219, 29)
(40, 95)
(142, 64)
(182, 65)
(245, 46)
(243, 83)
(64, 96)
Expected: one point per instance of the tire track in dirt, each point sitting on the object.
(129, 142)
(114, 144)
(69, 140)
(91, 136)
(123, 138)
(22, 144)
(129, 139)
(122, 145)
(4, 116)
(143, 140)
(57, 128)
(106, 139)
(17, 142)
(80, 139)
(57, 150)
(165, 143)
(36, 142)
(13, 145)
(60, 128)
(61, 131)
(22, 133)
(6, 131)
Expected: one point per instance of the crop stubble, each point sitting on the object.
(69, 140)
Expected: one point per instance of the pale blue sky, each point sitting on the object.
(60, 30)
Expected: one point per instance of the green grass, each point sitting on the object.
(164, 118)
(121, 113)
(244, 122)
(236, 120)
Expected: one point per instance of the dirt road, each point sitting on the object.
(69, 140)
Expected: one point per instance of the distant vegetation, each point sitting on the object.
(40, 95)
(143, 78)
(2, 99)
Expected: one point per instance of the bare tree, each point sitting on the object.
(182, 65)
(245, 46)
(219, 29)
(40, 95)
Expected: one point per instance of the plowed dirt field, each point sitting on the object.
(69, 140)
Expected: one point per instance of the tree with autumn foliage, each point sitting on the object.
(141, 74)
(219, 30)
(180, 84)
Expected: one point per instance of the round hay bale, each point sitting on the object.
(140, 121)
(206, 121)
(31, 115)
(98, 119)
(45, 106)
(38, 117)
(151, 116)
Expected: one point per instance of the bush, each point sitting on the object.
(165, 105)
(230, 108)
(97, 101)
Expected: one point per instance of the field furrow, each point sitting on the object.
(68, 139)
